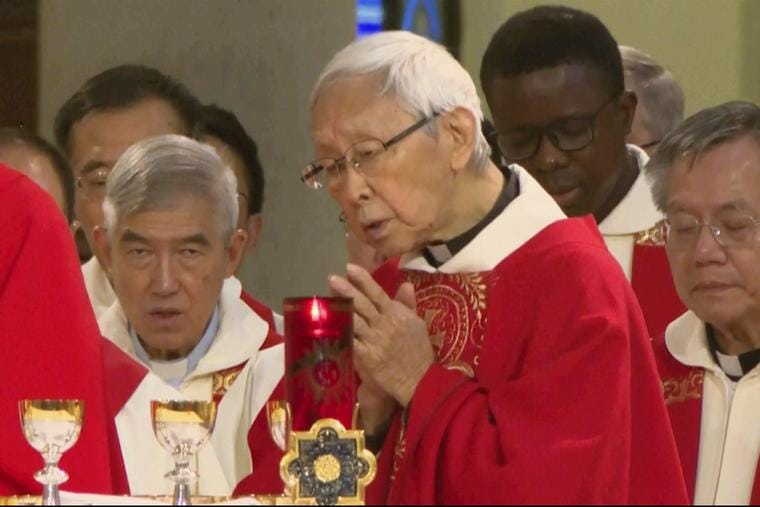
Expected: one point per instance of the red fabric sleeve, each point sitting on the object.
(49, 339)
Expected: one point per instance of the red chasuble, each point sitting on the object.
(545, 389)
(653, 284)
(50, 343)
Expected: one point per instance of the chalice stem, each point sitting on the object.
(50, 494)
(182, 494)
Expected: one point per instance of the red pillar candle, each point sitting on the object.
(318, 360)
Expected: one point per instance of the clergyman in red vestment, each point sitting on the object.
(507, 360)
(706, 176)
(51, 346)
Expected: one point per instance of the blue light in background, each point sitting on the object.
(369, 17)
(435, 31)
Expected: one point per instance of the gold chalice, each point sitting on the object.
(51, 427)
(182, 428)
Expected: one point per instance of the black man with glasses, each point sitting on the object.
(554, 81)
(489, 375)
(706, 180)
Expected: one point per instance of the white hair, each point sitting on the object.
(419, 74)
(154, 172)
(656, 88)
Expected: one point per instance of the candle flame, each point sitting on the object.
(317, 311)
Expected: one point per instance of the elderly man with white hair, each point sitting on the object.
(503, 357)
(706, 179)
(170, 246)
(660, 99)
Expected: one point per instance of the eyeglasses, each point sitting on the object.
(328, 171)
(566, 134)
(93, 184)
(682, 231)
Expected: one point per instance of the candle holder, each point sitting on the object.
(319, 373)
(324, 463)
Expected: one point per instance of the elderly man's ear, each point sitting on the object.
(102, 247)
(254, 230)
(235, 250)
(461, 126)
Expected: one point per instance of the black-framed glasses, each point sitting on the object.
(93, 184)
(569, 134)
(328, 171)
(681, 231)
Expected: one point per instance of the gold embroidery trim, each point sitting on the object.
(221, 381)
(650, 237)
(679, 390)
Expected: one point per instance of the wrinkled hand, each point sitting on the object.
(391, 345)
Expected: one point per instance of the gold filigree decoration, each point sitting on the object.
(222, 380)
(679, 390)
(453, 306)
(650, 237)
(327, 465)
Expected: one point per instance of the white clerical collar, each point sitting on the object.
(730, 365)
(438, 254)
(688, 340)
(735, 367)
(527, 215)
(637, 211)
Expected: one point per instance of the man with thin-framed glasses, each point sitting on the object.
(489, 375)
(553, 79)
(706, 180)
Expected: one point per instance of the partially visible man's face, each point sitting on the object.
(249, 223)
(400, 200)
(721, 285)
(167, 268)
(580, 181)
(37, 166)
(640, 134)
(100, 138)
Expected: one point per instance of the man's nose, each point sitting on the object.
(548, 157)
(354, 186)
(165, 280)
(708, 250)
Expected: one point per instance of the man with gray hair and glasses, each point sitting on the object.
(170, 246)
(490, 373)
(706, 179)
(660, 98)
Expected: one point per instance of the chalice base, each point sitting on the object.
(182, 476)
